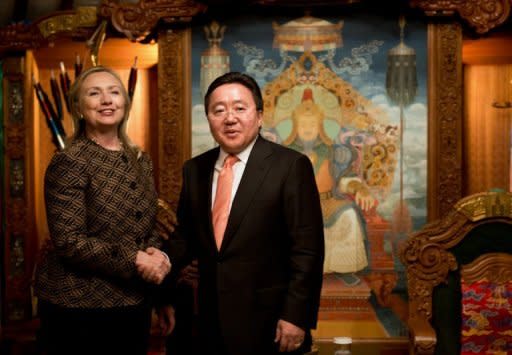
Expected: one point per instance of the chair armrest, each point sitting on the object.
(422, 337)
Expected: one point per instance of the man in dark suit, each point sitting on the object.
(260, 279)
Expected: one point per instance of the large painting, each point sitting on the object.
(351, 94)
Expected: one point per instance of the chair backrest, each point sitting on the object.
(477, 225)
(486, 287)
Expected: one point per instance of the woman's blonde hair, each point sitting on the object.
(74, 97)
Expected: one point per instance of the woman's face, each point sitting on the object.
(102, 102)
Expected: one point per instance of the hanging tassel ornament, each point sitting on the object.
(401, 88)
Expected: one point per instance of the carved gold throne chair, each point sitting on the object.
(459, 272)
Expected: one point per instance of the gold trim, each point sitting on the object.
(83, 17)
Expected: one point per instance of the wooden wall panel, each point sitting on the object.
(487, 129)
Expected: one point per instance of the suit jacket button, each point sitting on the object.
(133, 185)
(138, 214)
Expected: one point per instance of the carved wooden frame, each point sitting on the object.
(165, 19)
(427, 260)
(494, 267)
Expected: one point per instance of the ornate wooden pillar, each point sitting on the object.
(445, 118)
(137, 22)
(19, 247)
(445, 92)
(174, 121)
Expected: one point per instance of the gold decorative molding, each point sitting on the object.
(77, 23)
(484, 205)
(68, 22)
(173, 111)
(445, 118)
(482, 15)
(137, 21)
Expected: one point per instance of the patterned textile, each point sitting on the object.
(101, 209)
(486, 318)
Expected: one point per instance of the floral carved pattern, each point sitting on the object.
(20, 36)
(171, 108)
(448, 115)
(136, 21)
(17, 226)
(427, 265)
(482, 15)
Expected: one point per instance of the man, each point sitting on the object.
(260, 260)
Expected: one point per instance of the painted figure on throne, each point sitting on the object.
(351, 148)
(343, 195)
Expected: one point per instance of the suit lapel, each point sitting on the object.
(205, 189)
(253, 176)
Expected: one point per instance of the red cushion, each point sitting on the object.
(486, 318)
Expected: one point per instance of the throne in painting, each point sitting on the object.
(356, 126)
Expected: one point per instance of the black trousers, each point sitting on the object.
(120, 330)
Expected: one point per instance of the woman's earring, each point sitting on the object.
(81, 117)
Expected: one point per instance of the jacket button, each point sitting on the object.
(133, 185)
(124, 158)
(114, 253)
(138, 214)
(138, 240)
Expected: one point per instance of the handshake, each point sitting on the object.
(152, 265)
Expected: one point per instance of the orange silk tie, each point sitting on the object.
(220, 211)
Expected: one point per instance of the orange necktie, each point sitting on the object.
(220, 212)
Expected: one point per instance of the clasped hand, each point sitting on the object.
(152, 265)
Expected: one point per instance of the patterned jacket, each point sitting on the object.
(101, 209)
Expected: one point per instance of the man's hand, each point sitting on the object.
(166, 319)
(289, 336)
(166, 220)
(190, 274)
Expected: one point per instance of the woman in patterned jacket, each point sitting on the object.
(95, 284)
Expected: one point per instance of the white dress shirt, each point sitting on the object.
(238, 170)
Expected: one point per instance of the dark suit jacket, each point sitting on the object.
(269, 266)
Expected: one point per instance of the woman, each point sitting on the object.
(94, 286)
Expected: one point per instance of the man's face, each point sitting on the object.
(233, 117)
